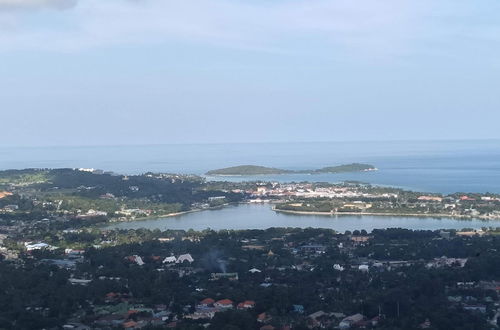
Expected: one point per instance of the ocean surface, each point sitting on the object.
(261, 216)
(433, 166)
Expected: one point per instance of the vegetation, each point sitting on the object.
(262, 170)
(248, 170)
(399, 290)
(354, 167)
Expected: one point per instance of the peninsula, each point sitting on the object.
(262, 170)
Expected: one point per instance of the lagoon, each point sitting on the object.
(261, 216)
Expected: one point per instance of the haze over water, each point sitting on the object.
(433, 166)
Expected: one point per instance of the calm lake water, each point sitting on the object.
(261, 216)
(433, 166)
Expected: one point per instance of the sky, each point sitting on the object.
(112, 72)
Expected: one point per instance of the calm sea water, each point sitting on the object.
(254, 216)
(439, 166)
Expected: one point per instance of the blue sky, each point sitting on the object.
(94, 72)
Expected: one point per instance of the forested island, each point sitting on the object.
(262, 170)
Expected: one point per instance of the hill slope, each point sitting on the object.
(262, 170)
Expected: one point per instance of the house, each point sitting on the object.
(317, 315)
(36, 246)
(78, 281)
(216, 198)
(95, 213)
(247, 304)
(112, 297)
(207, 302)
(430, 198)
(298, 309)
(61, 263)
(313, 248)
(4, 194)
(360, 239)
(364, 268)
(171, 259)
(446, 262)
(255, 270)
(475, 308)
(11, 208)
(135, 258)
(356, 206)
(478, 232)
(224, 304)
(166, 239)
(185, 257)
(200, 314)
(338, 267)
(349, 321)
(74, 253)
(264, 318)
(319, 319)
(130, 325)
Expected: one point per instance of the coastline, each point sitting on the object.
(428, 215)
(169, 215)
(329, 214)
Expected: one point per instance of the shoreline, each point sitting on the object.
(324, 214)
(169, 215)
(429, 215)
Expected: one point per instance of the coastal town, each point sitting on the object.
(83, 275)
(358, 198)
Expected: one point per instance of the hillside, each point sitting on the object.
(262, 170)
(354, 167)
(248, 170)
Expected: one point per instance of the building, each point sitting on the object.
(224, 304)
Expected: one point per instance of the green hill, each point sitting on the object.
(262, 170)
(247, 170)
(354, 167)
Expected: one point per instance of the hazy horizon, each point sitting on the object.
(250, 142)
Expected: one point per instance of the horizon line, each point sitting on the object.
(242, 142)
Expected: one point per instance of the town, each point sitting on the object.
(358, 198)
(272, 279)
(61, 269)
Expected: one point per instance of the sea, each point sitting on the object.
(427, 166)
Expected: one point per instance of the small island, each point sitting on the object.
(262, 170)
